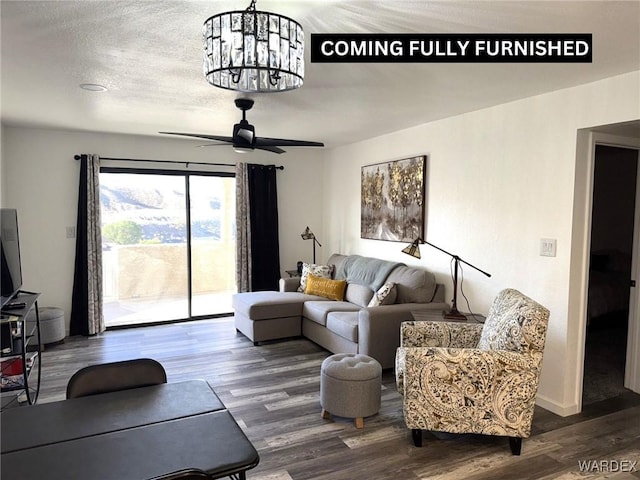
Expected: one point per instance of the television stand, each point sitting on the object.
(20, 354)
(14, 306)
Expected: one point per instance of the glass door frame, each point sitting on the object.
(177, 173)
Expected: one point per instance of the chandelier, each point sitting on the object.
(253, 51)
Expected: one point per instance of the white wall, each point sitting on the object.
(40, 179)
(498, 180)
(2, 175)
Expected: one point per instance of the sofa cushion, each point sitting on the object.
(368, 271)
(335, 262)
(385, 295)
(325, 287)
(344, 324)
(324, 271)
(317, 311)
(266, 305)
(415, 285)
(358, 294)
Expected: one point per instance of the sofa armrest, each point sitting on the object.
(440, 334)
(289, 284)
(438, 296)
(433, 334)
(379, 329)
(444, 386)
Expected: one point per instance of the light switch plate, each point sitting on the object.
(548, 247)
(71, 232)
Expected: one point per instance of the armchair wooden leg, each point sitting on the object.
(516, 445)
(416, 433)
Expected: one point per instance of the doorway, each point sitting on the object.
(610, 272)
(168, 245)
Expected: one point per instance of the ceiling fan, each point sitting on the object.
(244, 136)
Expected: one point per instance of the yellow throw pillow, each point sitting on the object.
(325, 287)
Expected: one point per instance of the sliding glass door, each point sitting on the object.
(213, 247)
(168, 245)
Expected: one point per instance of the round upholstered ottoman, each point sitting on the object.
(350, 386)
(52, 326)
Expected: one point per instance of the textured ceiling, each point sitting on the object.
(149, 55)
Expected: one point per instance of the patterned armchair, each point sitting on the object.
(474, 378)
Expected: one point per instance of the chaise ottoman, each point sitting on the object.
(263, 316)
(350, 386)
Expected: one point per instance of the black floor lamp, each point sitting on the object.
(308, 235)
(414, 251)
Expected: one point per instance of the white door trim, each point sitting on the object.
(632, 368)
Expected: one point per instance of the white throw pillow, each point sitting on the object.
(386, 295)
(323, 271)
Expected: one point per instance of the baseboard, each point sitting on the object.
(554, 407)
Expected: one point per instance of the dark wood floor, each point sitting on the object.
(273, 392)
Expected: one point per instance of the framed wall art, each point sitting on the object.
(393, 200)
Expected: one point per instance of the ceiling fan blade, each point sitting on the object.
(282, 142)
(244, 136)
(215, 145)
(220, 138)
(273, 149)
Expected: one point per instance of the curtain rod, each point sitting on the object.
(77, 157)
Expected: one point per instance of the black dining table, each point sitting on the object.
(136, 434)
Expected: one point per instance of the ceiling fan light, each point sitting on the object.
(240, 149)
(253, 51)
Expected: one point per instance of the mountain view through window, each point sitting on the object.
(168, 246)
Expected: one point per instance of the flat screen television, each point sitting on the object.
(11, 279)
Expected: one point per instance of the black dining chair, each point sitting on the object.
(114, 376)
(188, 474)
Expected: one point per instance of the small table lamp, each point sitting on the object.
(308, 235)
(414, 251)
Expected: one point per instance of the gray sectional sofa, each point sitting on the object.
(347, 326)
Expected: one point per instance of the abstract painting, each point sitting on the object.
(392, 200)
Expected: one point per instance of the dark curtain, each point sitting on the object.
(80, 300)
(86, 303)
(263, 213)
